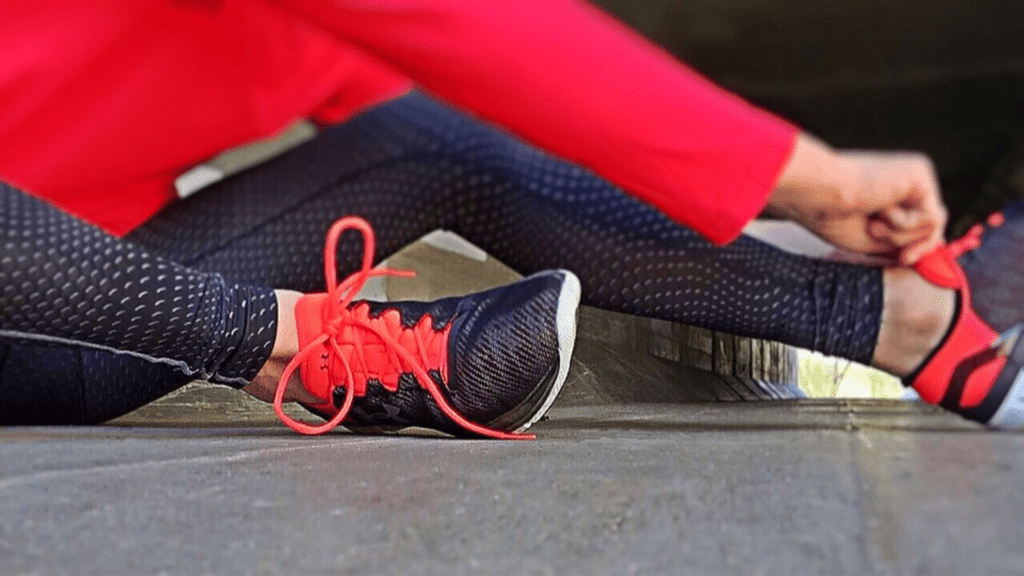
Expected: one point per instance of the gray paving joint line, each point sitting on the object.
(206, 459)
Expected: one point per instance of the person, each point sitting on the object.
(625, 168)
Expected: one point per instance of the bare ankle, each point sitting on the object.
(286, 345)
(916, 316)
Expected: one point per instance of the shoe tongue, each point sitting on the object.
(315, 374)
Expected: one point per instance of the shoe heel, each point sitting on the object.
(567, 323)
(1007, 395)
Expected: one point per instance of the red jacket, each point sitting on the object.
(104, 103)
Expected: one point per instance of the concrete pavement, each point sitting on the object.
(207, 482)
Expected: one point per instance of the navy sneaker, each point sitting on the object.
(976, 371)
(995, 267)
(486, 364)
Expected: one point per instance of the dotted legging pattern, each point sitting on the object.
(413, 166)
(92, 326)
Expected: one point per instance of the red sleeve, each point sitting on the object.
(572, 80)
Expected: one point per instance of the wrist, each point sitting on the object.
(815, 178)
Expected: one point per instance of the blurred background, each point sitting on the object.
(942, 76)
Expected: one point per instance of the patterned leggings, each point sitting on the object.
(93, 326)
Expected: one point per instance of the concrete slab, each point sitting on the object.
(755, 487)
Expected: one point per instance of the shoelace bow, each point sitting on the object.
(340, 296)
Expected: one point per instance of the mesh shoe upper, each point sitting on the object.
(503, 349)
(995, 270)
(487, 363)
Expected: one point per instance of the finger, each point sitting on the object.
(920, 206)
(936, 213)
(903, 218)
(915, 251)
(881, 229)
(900, 240)
(934, 216)
(927, 198)
(910, 226)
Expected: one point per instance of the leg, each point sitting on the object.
(431, 168)
(915, 318)
(42, 384)
(93, 326)
(413, 166)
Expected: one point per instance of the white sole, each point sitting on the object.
(566, 320)
(1010, 415)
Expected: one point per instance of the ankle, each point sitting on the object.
(286, 345)
(916, 317)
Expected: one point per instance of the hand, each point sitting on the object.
(883, 204)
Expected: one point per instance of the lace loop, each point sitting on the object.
(355, 323)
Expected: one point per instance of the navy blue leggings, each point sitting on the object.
(409, 167)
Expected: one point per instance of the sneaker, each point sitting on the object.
(995, 269)
(974, 372)
(487, 364)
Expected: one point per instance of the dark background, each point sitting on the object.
(944, 77)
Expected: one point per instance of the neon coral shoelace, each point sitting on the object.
(940, 266)
(363, 330)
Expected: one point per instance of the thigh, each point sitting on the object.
(413, 166)
(410, 167)
(266, 226)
